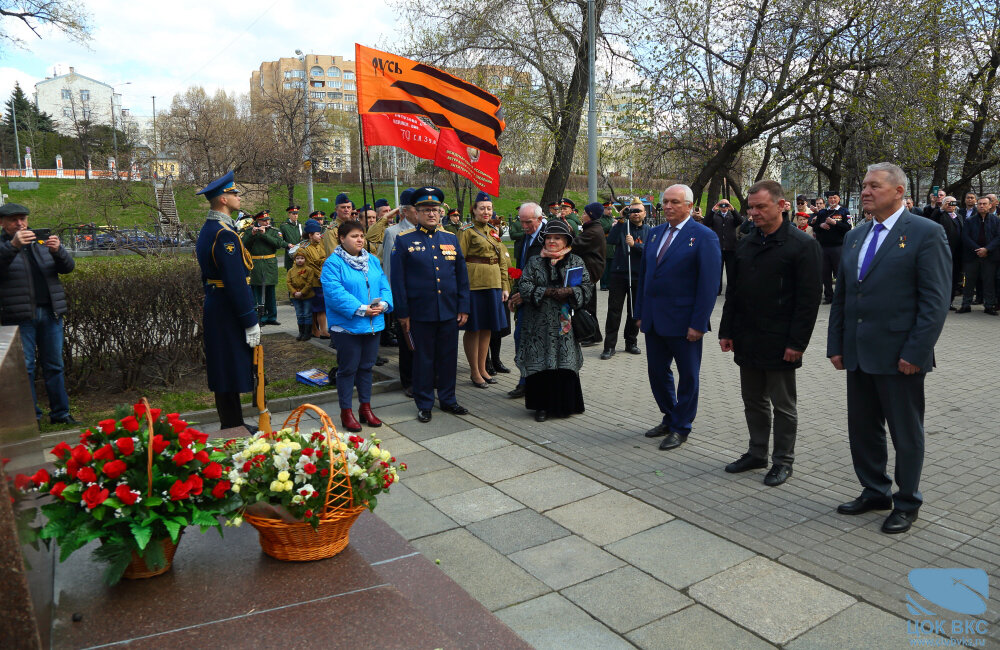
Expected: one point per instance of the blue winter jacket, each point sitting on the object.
(345, 290)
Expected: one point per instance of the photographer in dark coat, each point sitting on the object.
(767, 320)
(32, 297)
(725, 221)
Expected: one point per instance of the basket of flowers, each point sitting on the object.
(304, 491)
(135, 484)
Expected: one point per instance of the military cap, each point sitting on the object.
(552, 204)
(224, 184)
(454, 211)
(366, 207)
(263, 214)
(831, 193)
(13, 210)
(342, 198)
(594, 210)
(482, 196)
(557, 227)
(292, 207)
(405, 196)
(565, 201)
(608, 204)
(312, 215)
(381, 203)
(427, 196)
(312, 226)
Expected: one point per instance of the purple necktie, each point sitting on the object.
(666, 245)
(870, 253)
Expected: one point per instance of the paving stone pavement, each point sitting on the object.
(579, 532)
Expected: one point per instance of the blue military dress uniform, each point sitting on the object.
(229, 304)
(430, 285)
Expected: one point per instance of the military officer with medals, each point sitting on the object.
(430, 285)
(291, 232)
(230, 318)
(263, 241)
(489, 287)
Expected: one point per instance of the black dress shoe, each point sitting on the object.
(408, 391)
(381, 361)
(657, 431)
(745, 463)
(899, 521)
(672, 441)
(499, 367)
(778, 475)
(69, 419)
(455, 409)
(864, 504)
(632, 348)
(541, 415)
(963, 310)
(490, 370)
(424, 415)
(274, 322)
(478, 384)
(517, 392)
(991, 311)
(587, 344)
(490, 380)
(607, 354)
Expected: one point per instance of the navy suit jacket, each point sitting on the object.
(898, 310)
(970, 237)
(679, 292)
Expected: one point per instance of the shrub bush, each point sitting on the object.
(136, 319)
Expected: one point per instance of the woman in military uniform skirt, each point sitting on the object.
(489, 286)
(315, 256)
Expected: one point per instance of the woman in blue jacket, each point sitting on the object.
(357, 294)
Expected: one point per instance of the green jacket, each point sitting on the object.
(606, 223)
(574, 222)
(514, 229)
(263, 248)
(290, 233)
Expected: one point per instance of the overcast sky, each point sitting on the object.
(163, 48)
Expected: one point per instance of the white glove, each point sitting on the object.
(253, 336)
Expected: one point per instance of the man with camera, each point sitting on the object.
(725, 222)
(829, 226)
(32, 297)
(263, 241)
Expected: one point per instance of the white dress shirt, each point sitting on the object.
(882, 236)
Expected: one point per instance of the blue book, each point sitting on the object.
(312, 377)
(574, 276)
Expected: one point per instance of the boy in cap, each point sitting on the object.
(231, 327)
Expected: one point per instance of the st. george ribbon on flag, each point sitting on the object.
(394, 93)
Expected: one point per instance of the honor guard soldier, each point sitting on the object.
(264, 242)
(319, 217)
(430, 285)
(291, 232)
(230, 320)
(553, 210)
(567, 212)
(345, 208)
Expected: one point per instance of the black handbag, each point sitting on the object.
(584, 325)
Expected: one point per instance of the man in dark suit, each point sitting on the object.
(532, 221)
(952, 223)
(771, 305)
(678, 283)
(892, 297)
(981, 252)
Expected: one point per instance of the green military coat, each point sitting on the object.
(263, 248)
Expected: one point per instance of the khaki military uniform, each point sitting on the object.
(486, 258)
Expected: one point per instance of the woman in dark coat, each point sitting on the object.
(548, 355)
(591, 246)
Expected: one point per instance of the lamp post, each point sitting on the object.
(306, 148)
(592, 112)
(114, 131)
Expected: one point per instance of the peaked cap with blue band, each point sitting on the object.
(224, 184)
(427, 196)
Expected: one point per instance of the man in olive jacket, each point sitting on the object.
(32, 297)
(263, 242)
(771, 303)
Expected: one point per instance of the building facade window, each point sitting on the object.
(315, 71)
(334, 71)
(316, 84)
(348, 74)
(294, 74)
(349, 97)
(335, 95)
(66, 112)
(86, 113)
(348, 85)
(288, 85)
(316, 95)
(84, 95)
(335, 84)
(66, 94)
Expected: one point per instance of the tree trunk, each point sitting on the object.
(714, 191)
(291, 193)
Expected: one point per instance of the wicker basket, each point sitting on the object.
(138, 569)
(300, 542)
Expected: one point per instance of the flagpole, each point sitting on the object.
(361, 160)
(371, 174)
(395, 177)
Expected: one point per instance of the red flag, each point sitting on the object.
(393, 91)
